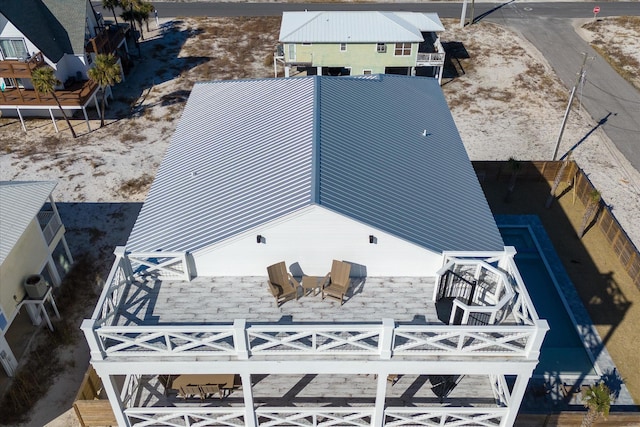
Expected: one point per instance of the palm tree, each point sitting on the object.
(111, 5)
(592, 206)
(45, 81)
(144, 9)
(597, 399)
(105, 72)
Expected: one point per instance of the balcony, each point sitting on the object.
(50, 224)
(106, 40)
(147, 309)
(21, 69)
(74, 95)
(428, 59)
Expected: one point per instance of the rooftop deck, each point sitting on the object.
(211, 300)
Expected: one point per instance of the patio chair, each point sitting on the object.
(192, 391)
(336, 282)
(208, 390)
(282, 284)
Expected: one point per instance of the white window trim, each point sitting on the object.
(345, 47)
(384, 46)
(367, 72)
(410, 49)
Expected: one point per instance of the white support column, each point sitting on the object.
(86, 118)
(319, 71)
(286, 70)
(381, 395)
(517, 394)
(95, 102)
(249, 409)
(53, 271)
(440, 73)
(114, 398)
(275, 66)
(55, 125)
(7, 359)
(66, 249)
(21, 119)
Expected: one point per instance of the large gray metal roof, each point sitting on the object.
(383, 150)
(356, 26)
(20, 202)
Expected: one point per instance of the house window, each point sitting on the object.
(402, 49)
(292, 52)
(381, 48)
(343, 47)
(366, 72)
(13, 83)
(13, 48)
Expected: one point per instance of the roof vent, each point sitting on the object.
(424, 132)
(194, 174)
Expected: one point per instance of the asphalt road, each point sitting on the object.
(547, 25)
(445, 10)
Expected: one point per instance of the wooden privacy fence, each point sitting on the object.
(90, 409)
(618, 240)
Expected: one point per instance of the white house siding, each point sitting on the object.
(28, 256)
(313, 237)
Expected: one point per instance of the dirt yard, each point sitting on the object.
(505, 105)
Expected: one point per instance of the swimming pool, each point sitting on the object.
(563, 353)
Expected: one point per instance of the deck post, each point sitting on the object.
(21, 119)
(114, 398)
(240, 338)
(386, 338)
(95, 102)
(247, 392)
(86, 118)
(517, 394)
(381, 392)
(53, 120)
(441, 72)
(88, 327)
(7, 359)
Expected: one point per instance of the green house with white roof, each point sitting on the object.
(360, 43)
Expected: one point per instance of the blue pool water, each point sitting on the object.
(563, 352)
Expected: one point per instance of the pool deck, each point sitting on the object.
(604, 364)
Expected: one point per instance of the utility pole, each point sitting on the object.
(463, 16)
(566, 113)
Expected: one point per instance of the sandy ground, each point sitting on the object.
(507, 103)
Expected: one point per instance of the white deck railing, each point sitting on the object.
(431, 58)
(187, 417)
(488, 417)
(50, 223)
(383, 340)
(268, 417)
(316, 417)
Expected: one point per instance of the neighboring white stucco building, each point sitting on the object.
(368, 170)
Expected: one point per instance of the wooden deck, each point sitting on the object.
(17, 69)
(75, 95)
(207, 300)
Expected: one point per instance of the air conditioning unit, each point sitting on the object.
(36, 286)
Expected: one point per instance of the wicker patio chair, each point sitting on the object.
(282, 284)
(336, 282)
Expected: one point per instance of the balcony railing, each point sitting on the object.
(107, 40)
(316, 416)
(50, 224)
(242, 340)
(75, 95)
(430, 58)
(21, 69)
